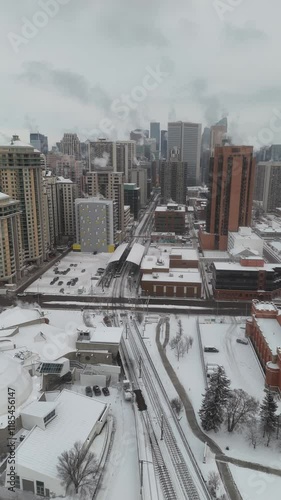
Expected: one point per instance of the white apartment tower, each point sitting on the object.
(95, 224)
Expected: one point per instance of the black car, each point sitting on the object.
(105, 391)
(89, 391)
(97, 390)
(60, 283)
(210, 349)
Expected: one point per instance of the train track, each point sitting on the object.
(184, 477)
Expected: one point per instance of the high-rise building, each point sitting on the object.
(170, 218)
(132, 153)
(205, 154)
(231, 184)
(267, 185)
(122, 159)
(164, 144)
(102, 155)
(21, 177)
(155, 134)
(217, 134)
(40, 142)
(173, 179)
(139, 177)
(187, 138)
(11, 251)
(95, 224)
(132, 198)
(70, 145)
(110, 186)
(66, 195)
(52, 209)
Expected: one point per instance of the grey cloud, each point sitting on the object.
(211, 104)
(64, 82)
(243, 34)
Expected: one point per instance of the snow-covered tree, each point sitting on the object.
(253, 434)
(77, 468)
(240, 408)
(214, 403)
(268, 415)
(213, 483)
(176, 404)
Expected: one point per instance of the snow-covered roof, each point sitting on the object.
(271, 331)
(236, 266)
(39, 408)
(265, 306)
(118, 253)
(13, 375)
(186, 254)
(152, 261)
(172, 208)
(4, 196)
(191, 276)
(136, 254)
(61, 179)
(17, 315)
(76, 417)
(105, 335)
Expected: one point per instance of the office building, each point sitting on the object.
(110, 186)
(132, 153)
(21, 177)
(102, 155)
(11, 252)
(139, 177)
(96, 224)
(127, 216)
(205, 155)
(170, 218)
(164, 144)
(267, 185)
(122, 159)
(173, 179)
(155, 134)
(231, 185)
(187, 138)
(217, 134)
(132, 198)
(245, 242)
(70, 145)
(40, 142)
(52, 209)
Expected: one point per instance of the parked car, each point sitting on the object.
(60, 283)
(210, 349)
(97, 390)
(83, 270)
(242, 341)
(89, 391)
(105, 391)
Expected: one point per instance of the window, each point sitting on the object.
(17, 482)
(49, 416)
(40, 488)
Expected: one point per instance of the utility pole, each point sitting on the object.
(162, 427)
(126, 330)
(141, 475)
(140, 367)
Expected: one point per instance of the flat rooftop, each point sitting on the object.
(76, 417)
(191, 276)
(271, 331)
(232, 266)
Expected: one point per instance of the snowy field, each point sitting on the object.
(255, 485)
(83, 266)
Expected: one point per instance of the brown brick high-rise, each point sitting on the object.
(231, 183)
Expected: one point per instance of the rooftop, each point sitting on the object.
(186, 276)
(235, 266)
(76, 417)
(271, 331)
(265, 306)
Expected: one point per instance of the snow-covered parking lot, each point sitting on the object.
(82, 266)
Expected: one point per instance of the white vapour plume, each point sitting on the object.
(136, 162)
(102, 162)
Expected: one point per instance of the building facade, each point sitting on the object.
(70, 145)
(187, 138)
(267, 185)
(231, 185)
(139, 177)
(11, 251)
(21, 177)
(132, 198)
(173, 179)
(110, 186)
(170, 218)
(102, 155)
(66, 194)
(155, 134)
(40, 142)
(96, 224)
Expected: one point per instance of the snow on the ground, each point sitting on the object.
(239, 360)
(254, 485)
(16, 315)
(83, 266)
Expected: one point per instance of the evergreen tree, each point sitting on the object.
(215, 401)
(268, 415)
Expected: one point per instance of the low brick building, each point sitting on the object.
(170, 218)
(264, 330)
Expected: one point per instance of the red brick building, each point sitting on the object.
(264, 330)
(170, 218)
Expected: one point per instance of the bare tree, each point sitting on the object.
(180, 328)
(253, 435)
(240, 408)
(190, 339)
(78, 468)
(180, 344)
(176, 404)
(213, 483)
(139, 317)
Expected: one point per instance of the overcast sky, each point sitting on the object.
(215, 57)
